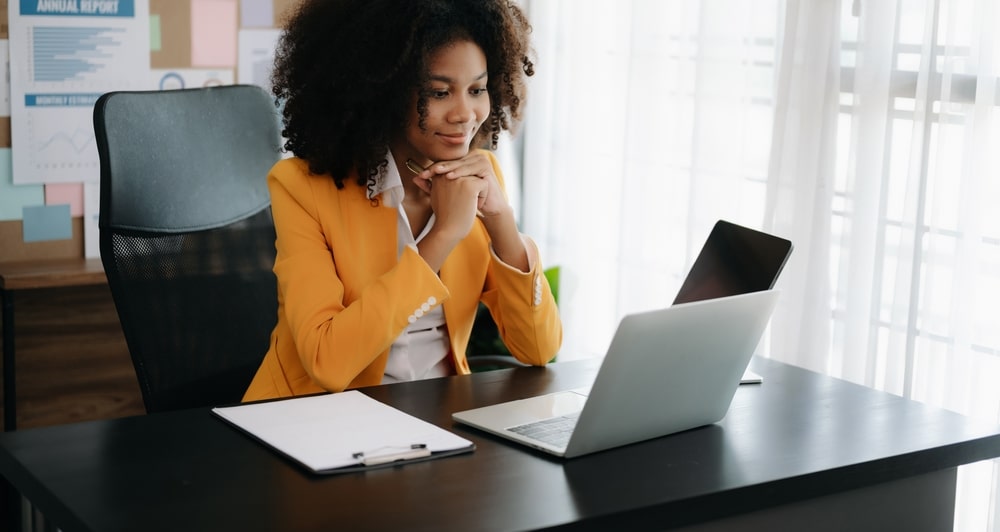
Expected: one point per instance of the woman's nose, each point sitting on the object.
(463, 111)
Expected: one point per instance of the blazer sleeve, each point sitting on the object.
(522, 304)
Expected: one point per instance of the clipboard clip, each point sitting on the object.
(416, 450)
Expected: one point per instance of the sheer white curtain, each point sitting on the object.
(864, 131)
(884, 162)
(647, 122)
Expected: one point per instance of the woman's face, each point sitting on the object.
(457, 105)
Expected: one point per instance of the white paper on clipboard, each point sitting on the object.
(333, 431)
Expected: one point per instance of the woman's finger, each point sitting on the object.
(423, 184)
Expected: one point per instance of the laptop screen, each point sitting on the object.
(734, 260)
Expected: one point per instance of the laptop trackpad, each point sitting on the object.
(558, 404)
(525, 410)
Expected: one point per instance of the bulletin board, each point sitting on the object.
(49, 182)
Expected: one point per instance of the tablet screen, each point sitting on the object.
(734, 260)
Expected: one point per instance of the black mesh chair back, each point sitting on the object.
(186, 236)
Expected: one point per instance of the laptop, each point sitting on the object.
(735, 260)
(686, 360)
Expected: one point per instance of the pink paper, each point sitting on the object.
(66, 193)
(214, 25)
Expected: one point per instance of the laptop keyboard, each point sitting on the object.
(554, 431)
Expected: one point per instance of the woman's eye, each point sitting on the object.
(478, 92)
(438, 93)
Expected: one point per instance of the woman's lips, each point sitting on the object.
(456, 139)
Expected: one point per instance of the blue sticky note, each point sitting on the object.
(47, 222)
(14, 197)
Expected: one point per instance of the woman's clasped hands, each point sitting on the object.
(461, 189)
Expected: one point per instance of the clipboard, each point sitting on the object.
(343, 432)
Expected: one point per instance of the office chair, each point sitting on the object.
(186, 236)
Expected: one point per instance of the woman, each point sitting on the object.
(391, 227)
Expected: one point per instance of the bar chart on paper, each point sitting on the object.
(72, 57)
(67, 54)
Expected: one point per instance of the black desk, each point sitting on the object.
(800, 448)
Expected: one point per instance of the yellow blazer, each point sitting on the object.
(344, 295)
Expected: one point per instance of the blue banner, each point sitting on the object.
(82, 8)
(60, 100)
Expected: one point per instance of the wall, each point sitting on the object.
(72, 361)
(199, 40)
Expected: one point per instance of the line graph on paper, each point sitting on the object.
(78, 140)
(61, 144)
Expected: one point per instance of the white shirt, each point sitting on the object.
(421, 350)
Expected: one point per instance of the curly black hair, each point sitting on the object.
(346, 73)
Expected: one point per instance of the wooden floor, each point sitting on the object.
(72, 361)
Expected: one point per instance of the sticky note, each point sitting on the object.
(13, 197)
(91, 220)
(256, 13)
(47, 222)
(66, 193)
(155, 35)
(213, 33)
